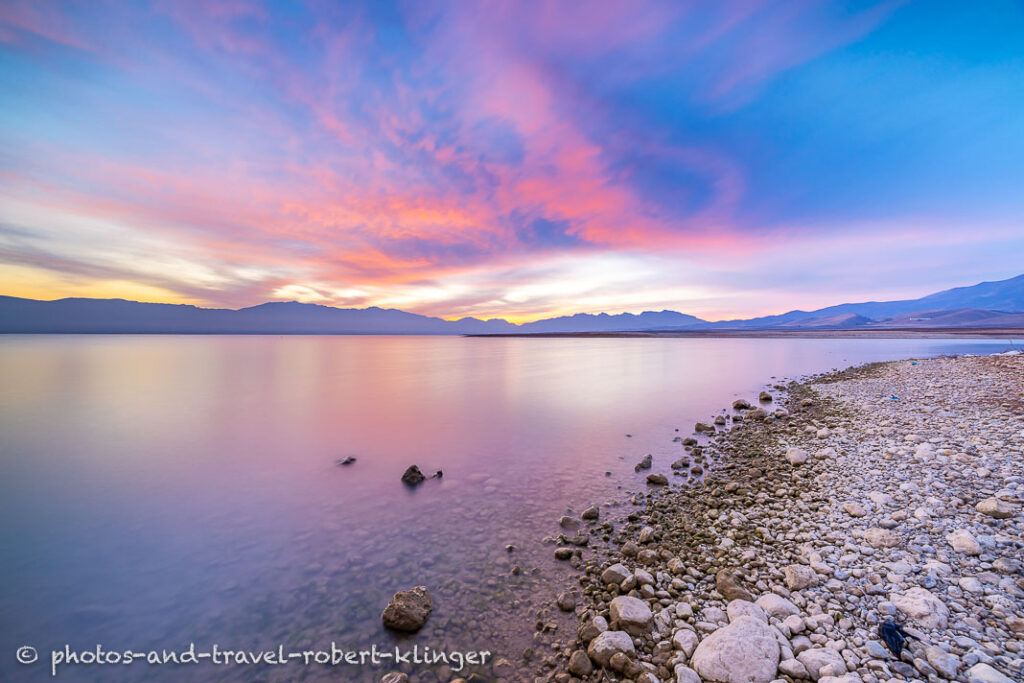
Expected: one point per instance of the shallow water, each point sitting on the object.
(162, 490)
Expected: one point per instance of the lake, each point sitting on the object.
(157, 491)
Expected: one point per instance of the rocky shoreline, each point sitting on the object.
(888, 492)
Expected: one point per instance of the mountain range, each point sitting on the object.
(997, 304)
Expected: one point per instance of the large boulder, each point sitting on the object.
(609, 643)
(745, 651)
(922, 606)
(729, 586)
(408, 610)
(630, 614)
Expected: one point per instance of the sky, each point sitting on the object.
(510, 159)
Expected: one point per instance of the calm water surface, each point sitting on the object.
(161, 490)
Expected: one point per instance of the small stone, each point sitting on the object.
(741, 404)
(685, 641)
(729, 586)
(610, 643)
(567, 602)
(742, 608)
(793, 668)
(591, 513)
(657, 479)
(799, 576)
(563, 553)
(854, 509)
(984, 673)
(593, 628)
(796, 456)
(644, 464)
(615, 574)
(413, 476)
(993, 507)
(963, 541)
(580, 664)
(764, 397)
(946, 664)
(346, 461)
(685, 674)
(922, 606)
(818, 658)
(630, 614)
(777, 606)
(408, 610)
(881, 538)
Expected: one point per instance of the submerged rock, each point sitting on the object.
(644, 464)
(408, 610)
(345, 461)
(657, 479)
(413, 476)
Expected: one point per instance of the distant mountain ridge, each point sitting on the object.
(988, 304)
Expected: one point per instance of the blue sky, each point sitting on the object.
(510, 159)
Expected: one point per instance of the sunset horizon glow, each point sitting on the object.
(510, 160)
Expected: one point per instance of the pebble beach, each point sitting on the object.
(890, 492)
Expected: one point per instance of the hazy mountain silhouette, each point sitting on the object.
(988, 304)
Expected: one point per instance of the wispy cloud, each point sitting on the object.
(486, 158)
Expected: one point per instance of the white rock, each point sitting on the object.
(799, 576)
(879, 498)
(946, 663)
(983, 673)
(993, 507)
(607, 644)
(745, 651)
(685, 641)
(963, 541)
(742, 608)
(796, 456)
(616, 574)
(922, 606)
(819, 657)
(881, 538)
(777, 606)
(630, 614)
(854, 509)
(685, 674)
